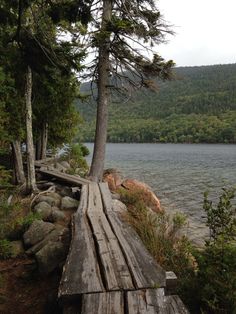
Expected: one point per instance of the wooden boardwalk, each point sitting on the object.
(108, 269)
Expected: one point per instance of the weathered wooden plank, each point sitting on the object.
(44, 162)
(175, 305)
(153, 301)
(103, 303)
(75, 180)
(113, 265)
(95, 200)
(81, 272)
(146, 273)
(171, 281)
(106, 196)
(146, 301)
(76, 177)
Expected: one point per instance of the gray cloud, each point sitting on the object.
(205, 31)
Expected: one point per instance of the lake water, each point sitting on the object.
(178, 173)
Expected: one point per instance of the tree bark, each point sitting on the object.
(31, 180)
(38, 148)
(41, 144)
(18, 163)
(97, 165)
(44, 140)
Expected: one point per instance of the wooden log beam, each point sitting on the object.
(74, 180)
(106, 197)
(113, 265)
(145, 271)
(81, 272)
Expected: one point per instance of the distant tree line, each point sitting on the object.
(198, 106)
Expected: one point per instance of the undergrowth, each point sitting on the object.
(207, 278)
(5, 177)
(15, 219)
(5, 249)
(160, 233)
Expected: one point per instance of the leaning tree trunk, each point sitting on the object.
(17, 162)
(31, 181)
(97, 166)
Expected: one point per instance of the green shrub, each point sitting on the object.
(5, 176)
(75, 154)
(15, 217)
(217, 263)
(5, 249)
(213, 288)
(25, 222)
(84, 149)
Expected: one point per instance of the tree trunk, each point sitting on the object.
(44, 140)
(41, 144)
(97, 166)
(17, 162)
(38, 148)
(31, 181)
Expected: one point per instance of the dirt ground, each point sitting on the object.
(24, 291)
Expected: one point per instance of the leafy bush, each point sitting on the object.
(217, 264)
(75, 154)
(213, 288)
(5, 249)
(15, 217)
(5, 176)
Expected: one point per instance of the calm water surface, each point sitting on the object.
(178, 173)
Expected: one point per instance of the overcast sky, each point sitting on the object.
(205, 31)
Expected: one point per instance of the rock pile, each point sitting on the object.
(48, 238)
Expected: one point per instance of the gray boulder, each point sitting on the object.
(60, 168)
(60, 234)
(118, 206)
(17, 248)
(53, 199)
(65, 164)
(57, 215)
(45, 198)
(115, 196)
(64, 190)
(44, 209)
(50, 256)
(69, 203)
(37, 232)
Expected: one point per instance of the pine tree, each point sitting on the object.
(123, 37)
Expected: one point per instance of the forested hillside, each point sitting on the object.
(199, 105)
